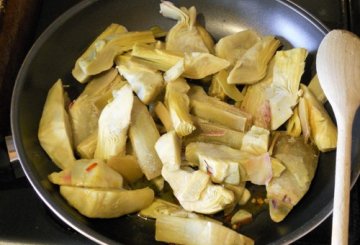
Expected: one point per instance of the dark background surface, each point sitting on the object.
(25, 219)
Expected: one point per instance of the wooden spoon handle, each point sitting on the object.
(340, 220)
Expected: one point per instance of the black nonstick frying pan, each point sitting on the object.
(54, 55)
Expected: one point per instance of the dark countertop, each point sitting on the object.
(25, 219)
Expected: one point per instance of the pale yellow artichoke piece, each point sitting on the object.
(200, 65)
(102, 100)
(285, 191)
(145, 82)
(127, 166)
(214, 110)
(84, 114)
(316, 89)
(88, 173)
(114, 122)
(277, 167)
(168, 148)
(196, 231)
(216, 90)
(161, 207)
(252, 66)
(178, 104)
(174, 72)
(238, 191)
(195, 192)
(293, 125)
(242, 216)
(234, 46)
(186, 35)
(143, 135)
(54, 133)
(94, 48)
(304, 115)
(283, 94)
(256, 141)
(86, 148)
(323, 131)
(164, 115)
(256, 102)
(230, 90)
(107, 203)
(255, 168)
(214, 133)
(158, 59)
(103, 54)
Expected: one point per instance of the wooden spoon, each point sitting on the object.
(338, 67)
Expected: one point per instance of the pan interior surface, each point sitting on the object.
(55, 52)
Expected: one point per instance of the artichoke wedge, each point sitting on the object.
(323, 131)
(168, 148)
(127, 166)
(316, 89)
(54, 133)
(178, 104)
(285, 191)
(88, 173)
(84, 114)
(178, 230)
(214, 110)
(114, 122)
(234, 46)
(145, 82)
(256, 141)
(209, 132)
(86, 148)
(252, 66)
(283, 94)
(143, 135)
(164, 115)
(107, 203)
(220, 88)
(101, 54)
(186, 35)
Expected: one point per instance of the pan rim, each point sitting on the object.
(43, 193)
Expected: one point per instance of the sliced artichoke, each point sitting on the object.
(178, 104)
(283, 94)
(186, 35)
(127, 166)
(214, 133)
(168, 148)
(285, 191)
(323, 131)
(219, 83)
(234, 46)
(316, 89)
(293, 126)
(86, 148)
(143, 135)
(252, 66)
(217, 111)
(114, 122)
(145, 82)
(256, 141)
(54, 130)
(107, 203)
(178, 230)
(164, 115)
(88, 173)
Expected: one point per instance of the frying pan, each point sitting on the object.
(53, 56)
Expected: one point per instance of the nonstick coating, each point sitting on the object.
(54, 54)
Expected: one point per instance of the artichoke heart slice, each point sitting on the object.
(252, 66)
(220, 87)
(323, 131)
(101, 54)
(168, 148)
(86, 148)
(286, 190)
(234, 46)
(214, 110)
(178, 104)
(179, 230)
(84, 114)
(107, 203)
(256, 141)
(209, 132)
(186, 35)
(54, 133)
(114, 122)
(127, 166)
(88, 173)
(143, 135)
(145, 82)
(283, 94)
(316, 89)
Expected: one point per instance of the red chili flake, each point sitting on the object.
(91, 166)
(67, 178)
(208, 169)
